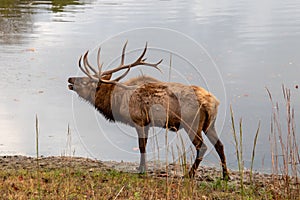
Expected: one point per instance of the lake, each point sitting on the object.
(235, 49)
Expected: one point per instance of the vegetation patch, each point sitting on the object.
(82, 178)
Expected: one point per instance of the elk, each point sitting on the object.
(144, 101)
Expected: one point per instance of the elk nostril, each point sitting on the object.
(71, 87)
(71, 80)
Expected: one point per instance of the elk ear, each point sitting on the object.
(107, 77)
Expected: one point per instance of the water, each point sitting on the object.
(234, 49)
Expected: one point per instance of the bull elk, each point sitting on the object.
(144, 101)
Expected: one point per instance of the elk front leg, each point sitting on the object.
(142, 139)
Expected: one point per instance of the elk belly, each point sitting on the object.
(158, 115)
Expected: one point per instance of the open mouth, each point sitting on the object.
(71, 85)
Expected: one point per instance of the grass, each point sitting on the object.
(109, 184)
(87, 180)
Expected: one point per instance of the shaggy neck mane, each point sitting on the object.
(103, 100)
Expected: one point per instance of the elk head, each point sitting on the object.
(86, 87)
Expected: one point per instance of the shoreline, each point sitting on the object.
(155, 168)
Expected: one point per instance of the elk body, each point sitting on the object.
(144, 102)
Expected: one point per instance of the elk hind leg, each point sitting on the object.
(211, 133)
(201, 148)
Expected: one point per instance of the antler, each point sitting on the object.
(88, 69)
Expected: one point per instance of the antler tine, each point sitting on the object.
(98, 62)
(84, 71)
(123, 53)
(79, 64)
(84, 62)
(140, 59)
(87, 64)
(155, 65)
(121, 66)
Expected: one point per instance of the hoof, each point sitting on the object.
(191, 174)
(226, 176)
(142, 169)
(187, 176)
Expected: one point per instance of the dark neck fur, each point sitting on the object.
(103, 100)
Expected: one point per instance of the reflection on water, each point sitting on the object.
(254, 44)
(58, 5)
(17, 16)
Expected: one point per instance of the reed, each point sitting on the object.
(253, 152)
(37, 155)
(238, 144)
(285, 154)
